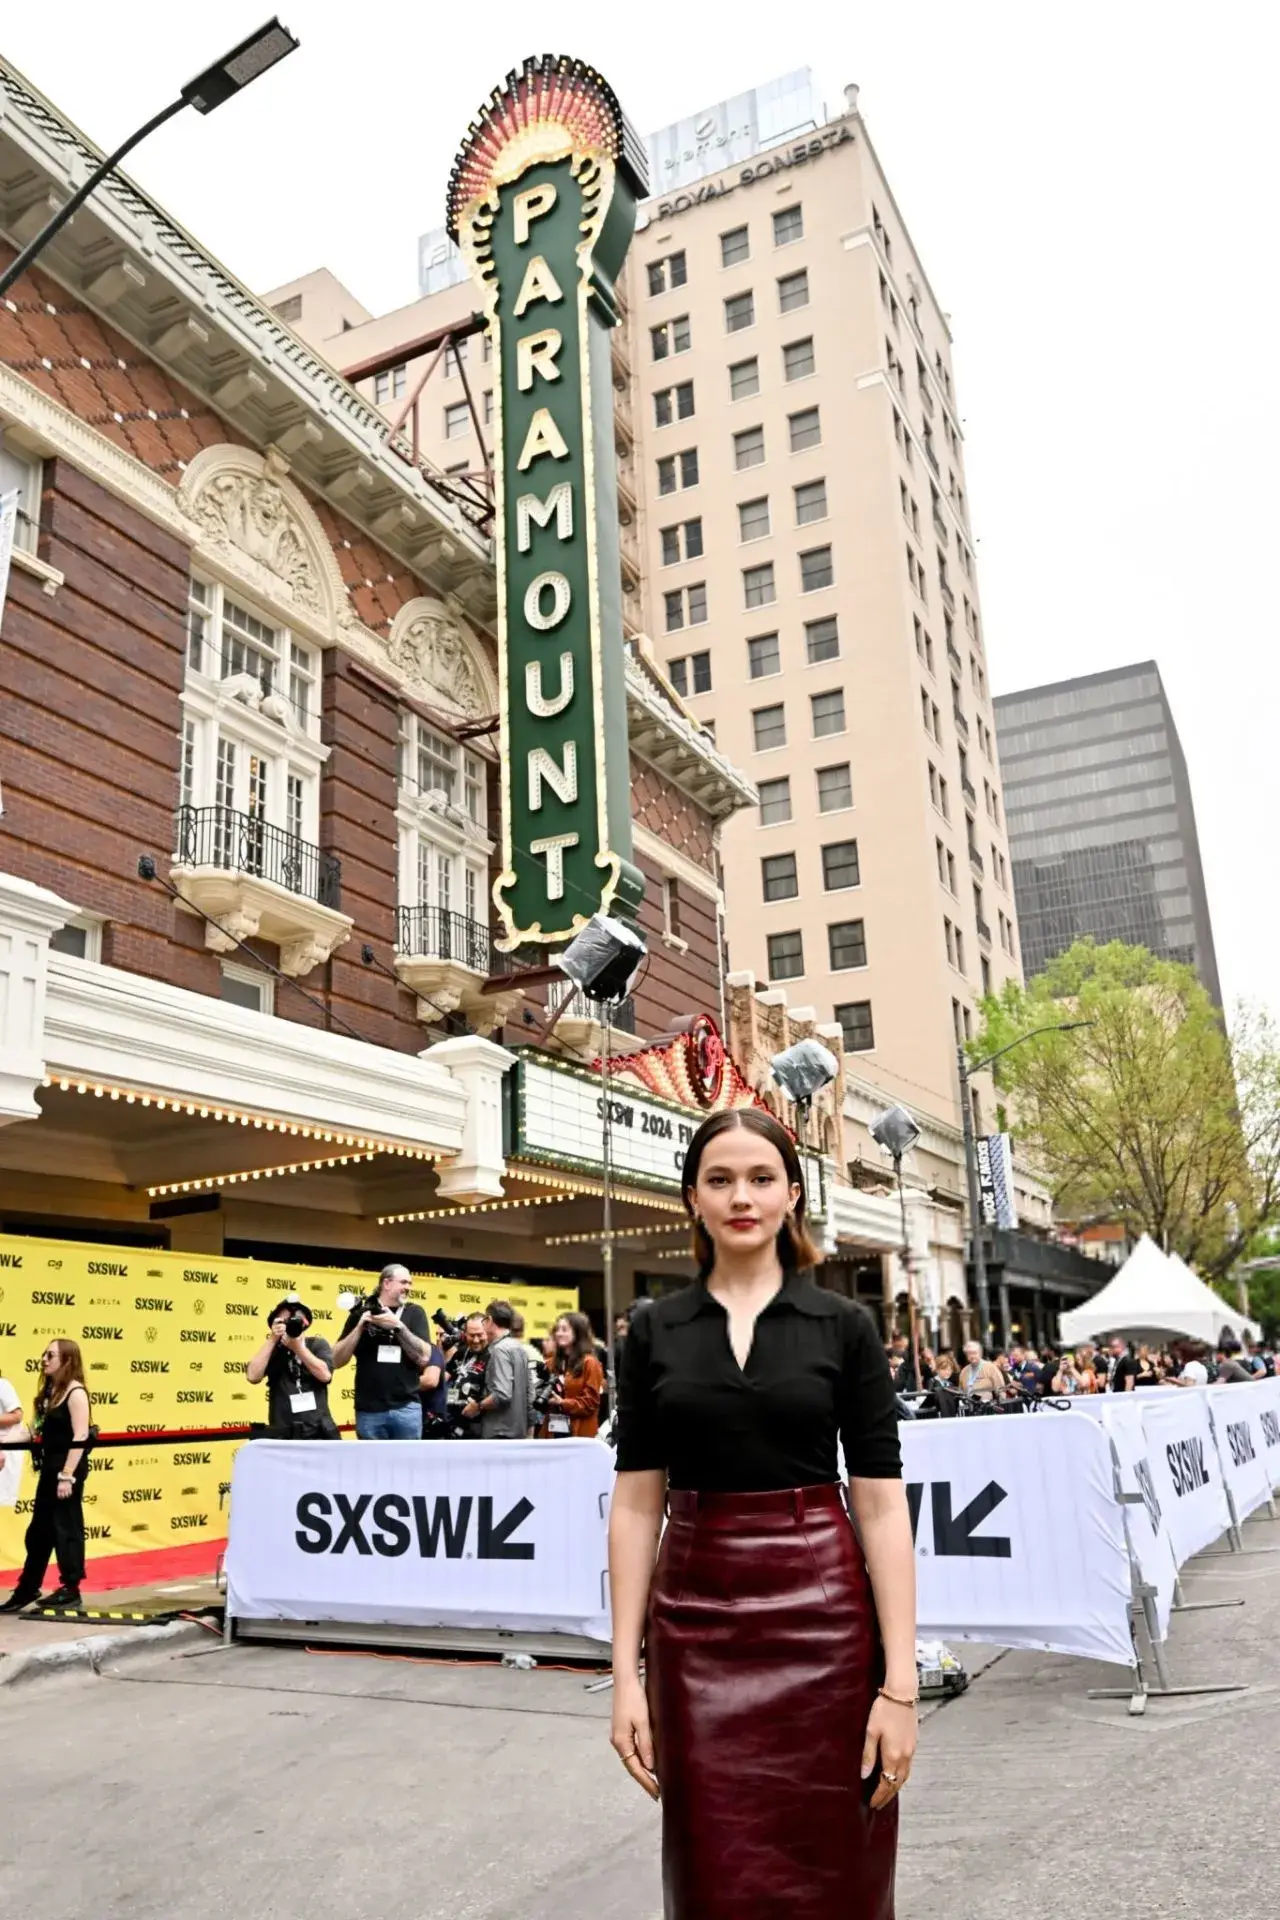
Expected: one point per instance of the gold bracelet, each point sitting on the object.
(897, 1699)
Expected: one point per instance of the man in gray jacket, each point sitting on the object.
(503, 1414)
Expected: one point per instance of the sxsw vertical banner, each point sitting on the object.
(164, 1338)
(995, 1180)
(542, 203)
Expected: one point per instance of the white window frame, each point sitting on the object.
(442, 845)
(266, 730)
(251, 977)
(25, 471)
(91, 925)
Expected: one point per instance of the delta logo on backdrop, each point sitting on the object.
(165, 1338)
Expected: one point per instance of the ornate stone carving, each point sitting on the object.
(439, 659)
(244, 505)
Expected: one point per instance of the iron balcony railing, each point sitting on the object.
(433, 933)
(579, 1006)
(242, 843)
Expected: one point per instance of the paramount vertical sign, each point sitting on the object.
(542, 203)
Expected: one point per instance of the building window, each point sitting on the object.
(811, 502)
(744, 379)
(242, 986)
(846, 945)
(798, 360)
(779, 878)
(984, 968)
(753, 518)
(828, 712)
(835, 788)
(389, 385)
(855, 1020)
(673, 403)
(775, 801)
(20, 473)
(786, 956)
(487, 408)
(758, 589)
(735, 246)
(748, 448)
(454, 356)
(788, 226)
(82, 937)
(739, 312)
(840, 865)
(673, 336)
(681, 542)
(763, 656)
(457, 420)
(444, 853)
(667, 273)
(769, 728)
(793, 291)
(806, 429)
(678, 470)
(816, 569)
(287, 310)
(686, 606)
(822, 640)
(243, 756)
(690, 674)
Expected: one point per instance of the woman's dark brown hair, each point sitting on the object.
(584, 1343)
(55, 1387)
(796, 1250)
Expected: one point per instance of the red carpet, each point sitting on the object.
(155, 1568)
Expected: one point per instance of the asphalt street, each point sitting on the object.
(264, 1783)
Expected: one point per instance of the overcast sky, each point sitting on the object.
(1092, 189)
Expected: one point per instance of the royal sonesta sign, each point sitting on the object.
(542, 203)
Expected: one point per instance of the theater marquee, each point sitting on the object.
(542, 203)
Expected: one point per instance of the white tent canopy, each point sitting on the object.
(1156, 1295)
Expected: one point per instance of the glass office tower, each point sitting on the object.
(1102, 832)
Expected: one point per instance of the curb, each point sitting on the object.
(90, 1654)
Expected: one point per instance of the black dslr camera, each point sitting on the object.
(296, 1325)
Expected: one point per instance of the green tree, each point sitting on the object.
(1152, 1116)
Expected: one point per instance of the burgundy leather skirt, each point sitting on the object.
(763, 1659)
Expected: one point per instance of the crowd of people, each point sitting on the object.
(477, 1377)
(1020, 1374)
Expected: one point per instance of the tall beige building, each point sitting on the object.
(798, 557)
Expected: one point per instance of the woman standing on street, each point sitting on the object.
(574, 1407)
(57, 1516)
(777, 1719)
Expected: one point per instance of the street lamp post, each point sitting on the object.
(976, 1231)
(208, 90)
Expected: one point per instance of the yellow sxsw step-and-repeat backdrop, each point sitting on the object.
(165, 1338)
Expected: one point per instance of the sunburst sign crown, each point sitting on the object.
(550, 92)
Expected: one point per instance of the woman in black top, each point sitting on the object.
(777, 1717)
(57, 1513)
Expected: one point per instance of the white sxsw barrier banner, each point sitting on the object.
(442, 1533)
(1120, 1416)
(1268, 1392)
(1236, 1412)
(1185, 1467)
(1019, 1537)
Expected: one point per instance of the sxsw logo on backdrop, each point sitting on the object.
(115, 1268)
(10, 1260)
(148, 1366)
(151, 1303)
(1270, 1423)
(102, 1333)
(180, 1522)
(192, 1334)
(200, 1276)
(8, 1330)
(240, 1306)
(1186, 1464)
(132, 1495)
(332, 1523)
(42, 1299)
(1240, 1441)
(105, 1400)
(188, 1459)
(191, 1396)
(955, 1534)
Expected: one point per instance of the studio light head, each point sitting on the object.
(803, 1070)
(603, 959)
(895, 1131)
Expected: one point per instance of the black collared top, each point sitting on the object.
(816, 1371)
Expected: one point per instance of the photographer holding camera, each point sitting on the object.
(466, 1347)
(297, 1370)
(391, 1341)
(503, 1412)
